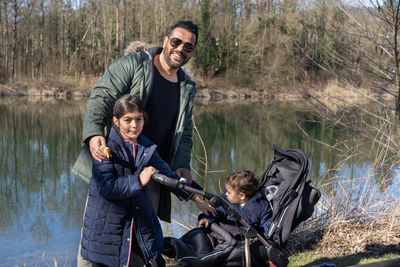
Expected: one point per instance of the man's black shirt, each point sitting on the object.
(162, 108)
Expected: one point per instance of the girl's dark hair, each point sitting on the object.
(128, 103)
(244, 182)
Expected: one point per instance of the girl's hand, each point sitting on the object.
(204, 222)
(145, 175)
(204, 207)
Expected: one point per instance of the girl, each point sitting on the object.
(120, 225)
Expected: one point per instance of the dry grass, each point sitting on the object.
(356, 215)
(353, 236)
(340, 229)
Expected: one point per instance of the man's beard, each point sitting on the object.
(174, 64)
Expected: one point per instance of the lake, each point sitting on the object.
(42, 202)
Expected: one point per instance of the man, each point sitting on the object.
(168, 95)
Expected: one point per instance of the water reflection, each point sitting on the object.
(241, 136)
(42, 202)
(40, 198)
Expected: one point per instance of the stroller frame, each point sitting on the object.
(274, 260)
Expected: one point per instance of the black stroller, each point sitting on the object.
(292, 200)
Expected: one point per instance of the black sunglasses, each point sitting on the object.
(175, 42)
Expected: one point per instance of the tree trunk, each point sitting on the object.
(7, 37)
(41, 33)
(395, 36)
(69, 33)
(141, 20)
(74, 56)
(14, 49)
(117, 26)
(92, 41)
(1, 41)
(124, 6)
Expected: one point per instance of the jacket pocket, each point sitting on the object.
(101, 219)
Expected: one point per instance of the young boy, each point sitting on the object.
(242, 195)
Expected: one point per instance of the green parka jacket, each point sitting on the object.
(133, 74)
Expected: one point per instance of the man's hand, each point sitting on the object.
(204, 222)
(94, 144)
(185, 173)
(204, 207)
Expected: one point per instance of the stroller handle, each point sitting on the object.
(179, 184)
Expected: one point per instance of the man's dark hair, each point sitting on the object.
(187, 25)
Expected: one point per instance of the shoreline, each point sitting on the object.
(332, 94)
(204, 96)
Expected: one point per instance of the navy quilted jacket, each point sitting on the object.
(255, 212)
(119, 209)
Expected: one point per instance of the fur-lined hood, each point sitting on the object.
(134, 46)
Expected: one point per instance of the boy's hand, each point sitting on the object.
(145, 175)
(204, 207)
(204, 222)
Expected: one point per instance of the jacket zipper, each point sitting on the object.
(130, 234)
(130, 244)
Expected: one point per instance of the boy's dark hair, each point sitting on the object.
(187, 25)
(244, 182)
(128, 103)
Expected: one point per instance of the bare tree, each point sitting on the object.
(41, 40)
(373, 35)
(5, 33)
(389, 14)
(16, 11)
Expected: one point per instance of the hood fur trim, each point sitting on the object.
(134, 46)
